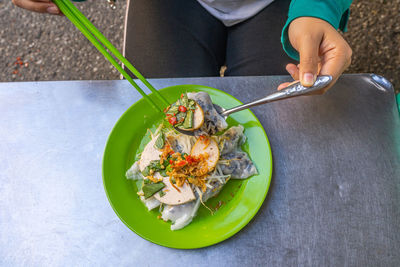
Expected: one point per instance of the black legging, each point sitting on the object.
(179, 38)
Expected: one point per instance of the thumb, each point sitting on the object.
(308, 50)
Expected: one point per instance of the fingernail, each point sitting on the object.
(52, 10)
(308, 79)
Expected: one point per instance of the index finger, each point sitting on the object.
(37, 6)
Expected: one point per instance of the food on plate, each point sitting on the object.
(185, 114)
(206, 145)
(206, 119)
(213, 121)
(177, 173)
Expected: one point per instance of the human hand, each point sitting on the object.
(322, 49)
(41, 6)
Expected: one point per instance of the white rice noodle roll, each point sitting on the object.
(149, 153)
(172, 196)
(180, 215)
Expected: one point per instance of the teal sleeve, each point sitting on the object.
(336, 12)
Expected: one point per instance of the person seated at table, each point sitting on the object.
(188, 38)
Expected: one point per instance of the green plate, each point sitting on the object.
(238, 201)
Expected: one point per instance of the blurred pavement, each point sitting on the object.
(53, 48)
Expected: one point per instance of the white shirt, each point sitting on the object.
(231, 12)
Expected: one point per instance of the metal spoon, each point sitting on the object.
(296, 89)
(378, 81)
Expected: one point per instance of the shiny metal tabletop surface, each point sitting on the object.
(334, 198)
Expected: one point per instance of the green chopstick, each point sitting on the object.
(112, 48)
(89, 30)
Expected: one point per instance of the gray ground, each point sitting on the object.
(52, 49)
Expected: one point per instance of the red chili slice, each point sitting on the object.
(181, 163)
(182, 108)
(190, 159)
(172, 120)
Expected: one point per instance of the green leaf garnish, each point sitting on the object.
(151, 189)
(159, 144)
(139, 184)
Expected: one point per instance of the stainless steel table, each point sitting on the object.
(334, 198)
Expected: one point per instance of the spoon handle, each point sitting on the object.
(293, 90)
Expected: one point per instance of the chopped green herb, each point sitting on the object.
(155, 166)
(162, 193)
(159, 144)
(173, 109)
(168, 169)
(165, 163)
(146, 171)
(173, 180)
(163, 173)
(182, 112)
(151, 189)
(185, 100)
(188, 123)
(192, 104)
(181, 117)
